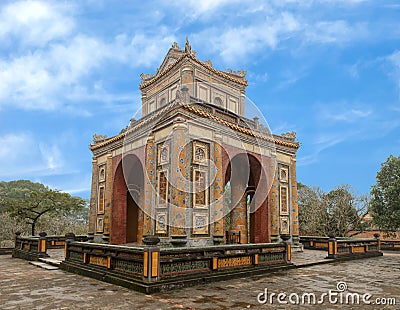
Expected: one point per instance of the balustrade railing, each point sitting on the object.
(30, 248)
(390, 245)
(343, 247)
(150, 263)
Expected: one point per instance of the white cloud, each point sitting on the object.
(25, 157)
(272, 25)
(321, 143)
(394, 72)
(50, 76)
(140, 50)
(51, 156)
(235, 43)
(194, 9)
(40, 80)
(12, 145)
(34, 22)
(350, 115)
(337, 31)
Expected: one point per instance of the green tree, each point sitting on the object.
(337, 212)
(313, 215)
(345, 210)
(385, 195)
(29, 201)
(17, 190)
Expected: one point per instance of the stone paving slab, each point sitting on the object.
(23, 286)
(43, 265)
(51, 261)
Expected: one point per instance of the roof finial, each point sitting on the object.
(188, 48)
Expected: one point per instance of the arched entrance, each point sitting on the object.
(248, 218)
(127, 199)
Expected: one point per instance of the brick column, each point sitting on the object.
(218, 205)
(179, 178)
(239, 212)
(295, 209)
(274, 202)
(149, 177)
(93, 199)
(108, 198)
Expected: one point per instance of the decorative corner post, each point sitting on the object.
(332, 247)
(90, 238)
(377, 237)
(69, 237)
(151, 258)
(42, 245)
(285, 238)
(16, 237)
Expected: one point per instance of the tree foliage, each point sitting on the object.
(33, 202)
(385, 195)
(313, 215)
(337, 212)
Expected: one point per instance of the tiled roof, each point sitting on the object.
(228, 76)
(201, 113)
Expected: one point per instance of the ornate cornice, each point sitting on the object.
(278, 140)
(229, 76)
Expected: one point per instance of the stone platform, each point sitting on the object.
(23, 286)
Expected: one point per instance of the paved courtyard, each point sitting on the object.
(23, 286)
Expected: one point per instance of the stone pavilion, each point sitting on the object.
(193, 169)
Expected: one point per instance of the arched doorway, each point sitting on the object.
(248, 218)
(127, 201)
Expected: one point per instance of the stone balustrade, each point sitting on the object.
(150, 268)
(30, 248)
(390, 245)
(35, 247)
(343, 247)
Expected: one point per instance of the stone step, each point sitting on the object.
(43, 265)
(50, 261)
(297, 248)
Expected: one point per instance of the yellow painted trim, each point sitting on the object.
(154, 264)
(289, 252)
(255, 259)
(84, 258)
(215, 263)
(108, 262)
(145, 264)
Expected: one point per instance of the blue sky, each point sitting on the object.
(329, 70)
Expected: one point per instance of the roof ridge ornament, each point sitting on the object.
(175, 46)
(99, 138)
(291, 135)
(188, 47)
(146, 76)
(241, 73)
